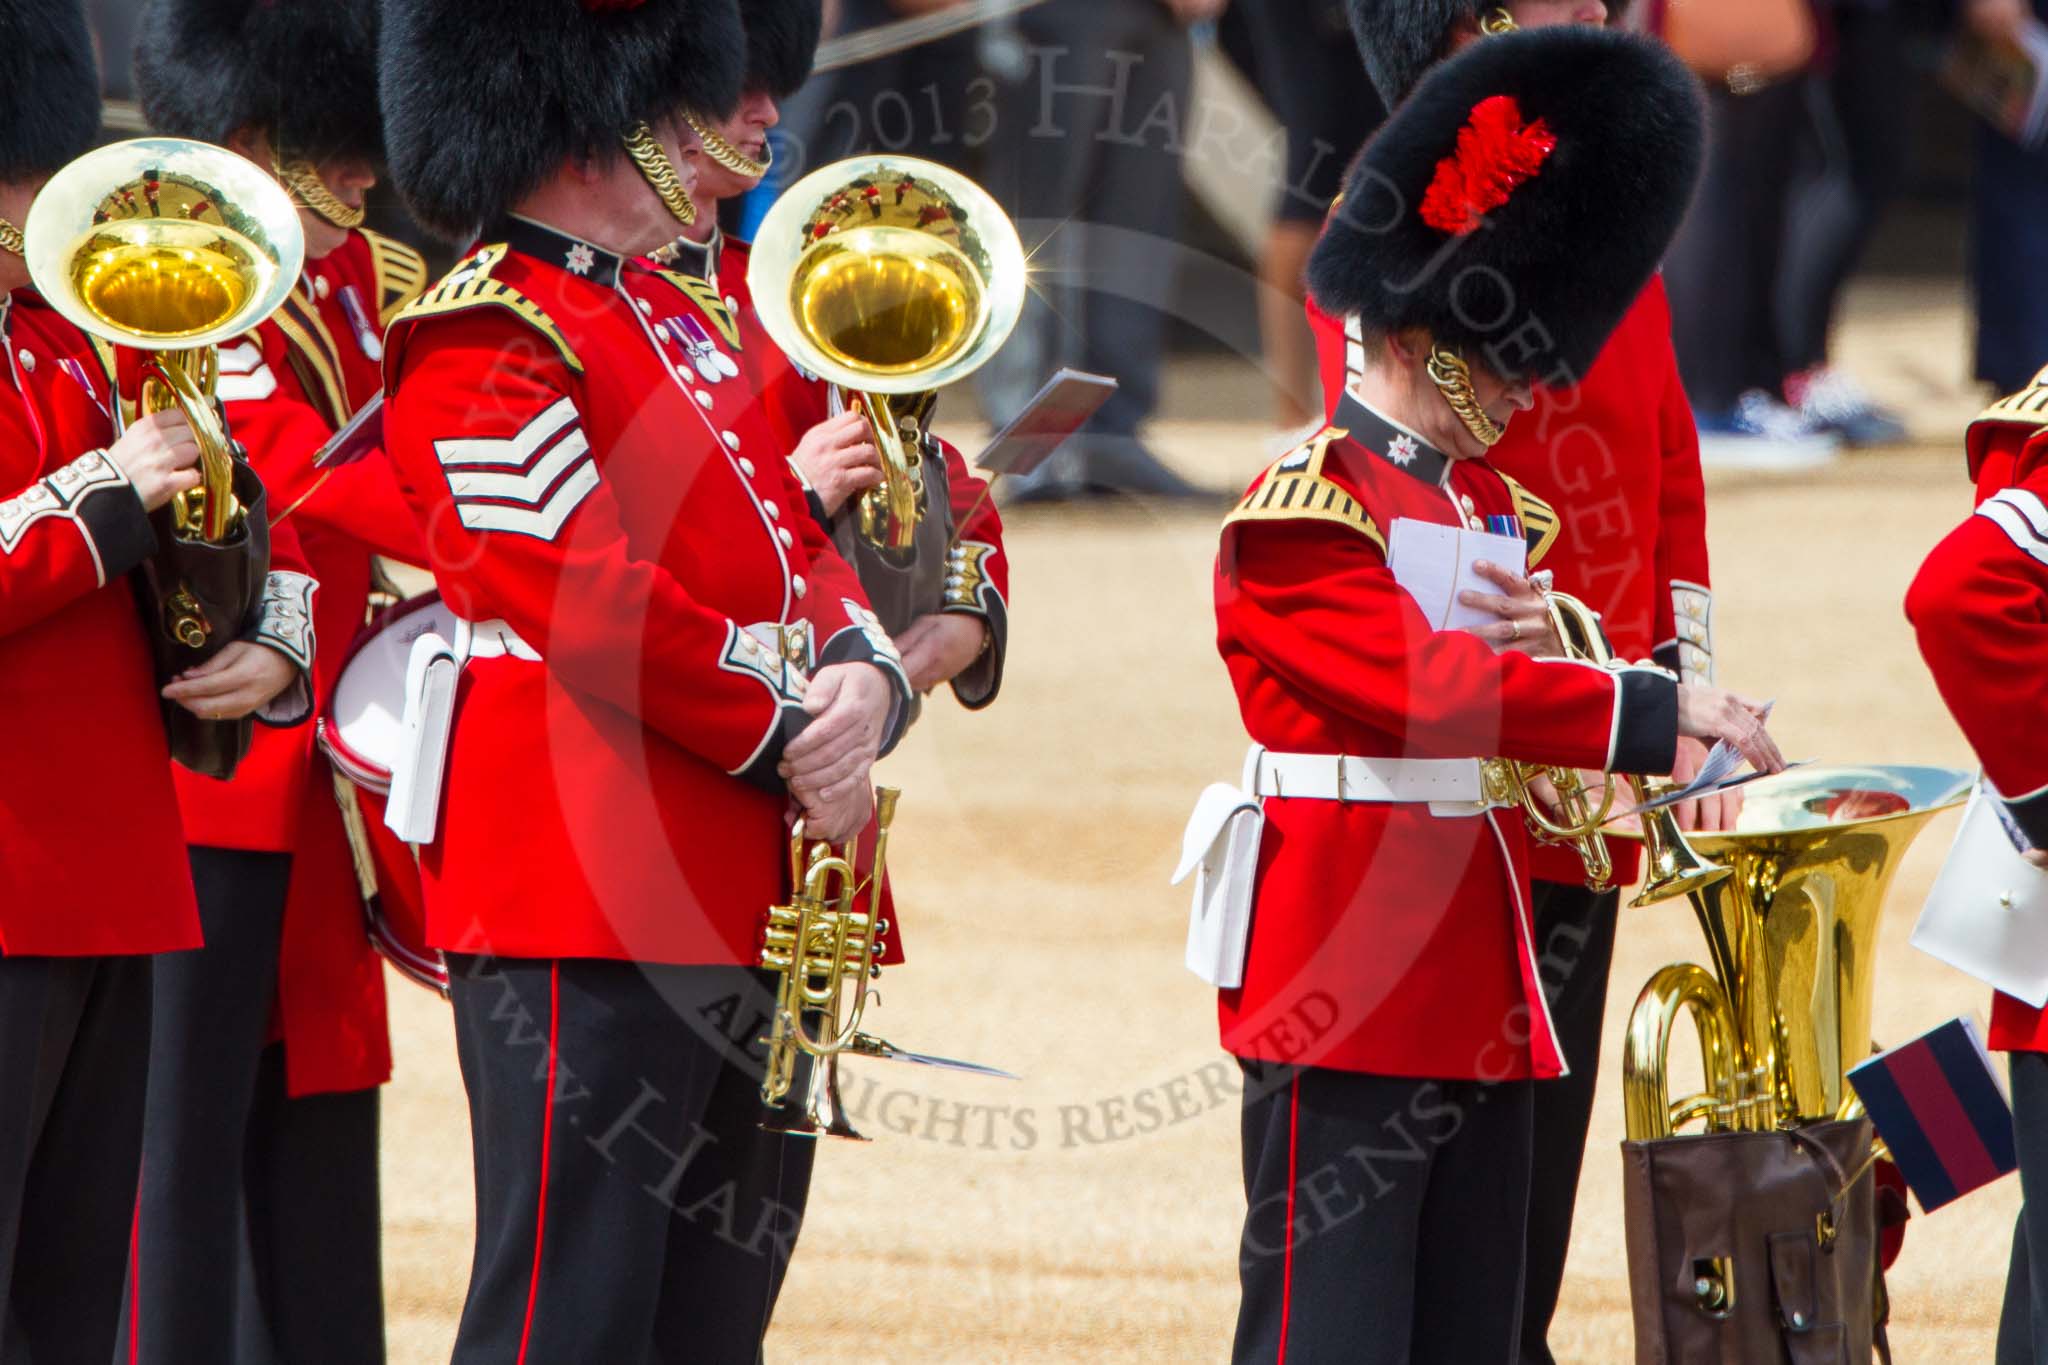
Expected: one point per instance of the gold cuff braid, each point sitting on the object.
(725, 154)
(1453, 379)
(661, 173)
(306, 186)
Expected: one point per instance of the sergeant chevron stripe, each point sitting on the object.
(528, 483)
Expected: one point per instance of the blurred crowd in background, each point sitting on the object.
(1116, 133)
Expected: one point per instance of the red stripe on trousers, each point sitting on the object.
(1932, 1097)
(135, 1278)
(1287, 1266)
(547, 1134)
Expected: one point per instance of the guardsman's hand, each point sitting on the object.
(1524, 623)
(936, 648)
(1709, 713)
(828, 765)
(839, 460)
(1709, 814)
(160, 456)
(241, 679)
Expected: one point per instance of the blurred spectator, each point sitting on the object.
(929, 100)
(1723, 274)
(2009, 207)
(1856, 141)
(1087, 157)
(1308, 73)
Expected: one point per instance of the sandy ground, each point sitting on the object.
(1036, 1221)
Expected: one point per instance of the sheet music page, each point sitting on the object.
(1434, 563)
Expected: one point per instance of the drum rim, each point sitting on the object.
(357, 768)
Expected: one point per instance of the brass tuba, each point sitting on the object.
(1676, 867)
(1792, 936)
(890, 277)
(170, 247)
(824, 948)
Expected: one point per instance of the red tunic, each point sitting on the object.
(616, 797)
(94, 857)
(287, 387)
(1387, 939)
(1619, 456)
(1980, 608)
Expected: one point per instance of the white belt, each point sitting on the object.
(491, 640)
(1449, 786)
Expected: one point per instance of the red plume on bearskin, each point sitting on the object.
(1497, 151)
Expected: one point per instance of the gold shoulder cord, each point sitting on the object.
(725, 154)
(653, 162)
(1453, 379)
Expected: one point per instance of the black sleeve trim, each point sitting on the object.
(1666, 656)
(976, 685)
(790, 721)
(854, 646)
(119, 527)
(1645, 723)
(2031, 815)
(816, 505)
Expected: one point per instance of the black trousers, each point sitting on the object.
(257, 1225)
(1722, 271)
(1384, 1219)
(74, 1049)
(1856, 146)
(1086, 155)
(629, 1207)
(2023, 1325)
(1575, 949)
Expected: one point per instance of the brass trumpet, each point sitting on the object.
(890, 277)
(1575, 818)
(824, 950)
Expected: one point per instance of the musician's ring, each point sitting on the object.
(1516, 627)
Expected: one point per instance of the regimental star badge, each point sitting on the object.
(581, 258)
(1402, 450)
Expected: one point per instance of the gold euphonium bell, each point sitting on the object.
(169, 246)
(889, 277)
(1792, 937)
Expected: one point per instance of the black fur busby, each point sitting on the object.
(49, 87)
(782, 42)
(1402, 39)
(303, 71)
(482, 104)
(1520, 199)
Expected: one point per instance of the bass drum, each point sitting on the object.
(359, 732)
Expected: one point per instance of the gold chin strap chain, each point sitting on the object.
(653, 162)
(1497, 23)
(725, 154)
(310, 191)
(10, 238)
(1453, 379)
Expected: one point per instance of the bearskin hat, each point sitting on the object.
(1402, 39)
(49, 87)
(1520, 199)
(305, 73)
(782, 42)
(480, 109)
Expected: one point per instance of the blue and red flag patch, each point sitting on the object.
(1937, 1104)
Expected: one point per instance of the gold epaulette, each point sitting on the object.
(1295, 489)
(1540, 521)
(2028, 407)
(401, 274)
(469, 285)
